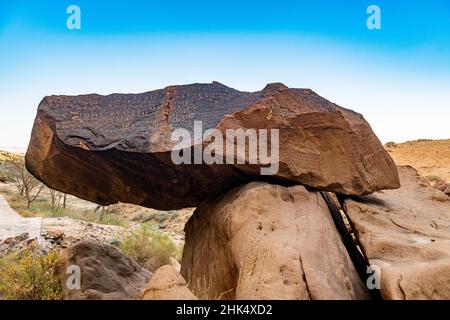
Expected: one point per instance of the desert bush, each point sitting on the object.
(150, 248)
(19, 204)
(45, 208)
(29, 276)
(5, 170)
(202, 290)
(57, 200)
(160, 216)
(27, 185)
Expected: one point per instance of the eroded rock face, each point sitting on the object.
(106, 273)
(118, 147)
(406, 233)
(167, 284)
(264, 241)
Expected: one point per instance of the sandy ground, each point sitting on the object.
(429, 157)
(12, 224)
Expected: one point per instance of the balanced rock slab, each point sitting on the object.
(106, 273)
(117, 148)
(264, 241)
(405, 233)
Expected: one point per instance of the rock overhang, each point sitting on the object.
(118, 147)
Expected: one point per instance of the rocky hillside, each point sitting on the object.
(431, 158)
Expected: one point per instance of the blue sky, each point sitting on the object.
(397, 77)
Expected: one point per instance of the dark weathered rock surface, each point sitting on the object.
(106, 273)
(118, 147)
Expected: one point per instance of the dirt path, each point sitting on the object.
(12, 224)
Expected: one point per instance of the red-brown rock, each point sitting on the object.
(118, 147)
(105, 273)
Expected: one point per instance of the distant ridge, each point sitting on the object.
(6, 155)
(430, 157)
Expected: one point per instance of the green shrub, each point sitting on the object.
(159, 216)
(150, 248)
(29, 276)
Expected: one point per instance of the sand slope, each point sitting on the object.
(430, 157)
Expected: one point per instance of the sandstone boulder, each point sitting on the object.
(406, 234)
(167, 284)
(264, 241)
(118, 147)
(447, 190)
(106, 273)
(442, 186)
